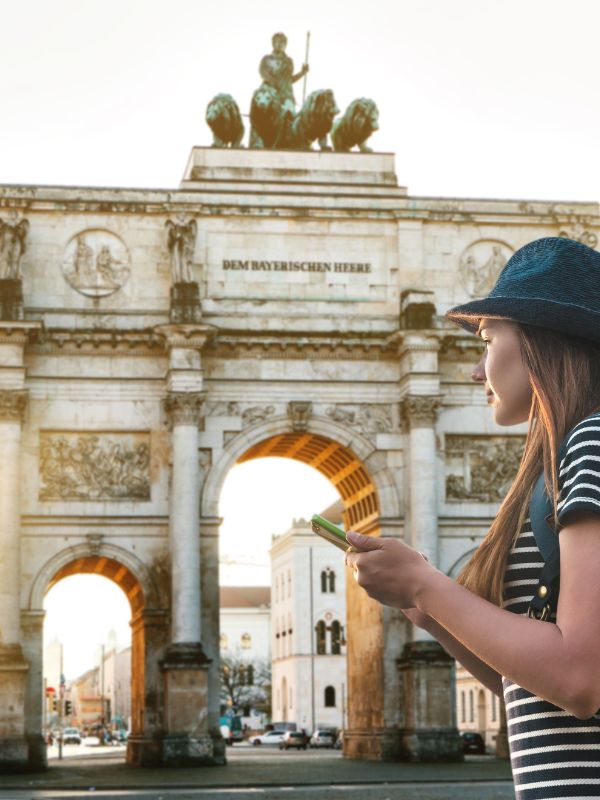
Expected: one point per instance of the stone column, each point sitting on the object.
(189, 739)
(429, 731)
(14, 751)
(32, 627)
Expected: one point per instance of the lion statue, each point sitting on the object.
(225, 121)
(313, 121)
(355, 127)
(267, 120)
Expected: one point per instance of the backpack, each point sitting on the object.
(541, 514)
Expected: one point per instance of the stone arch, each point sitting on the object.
(110, 561)
(460, 563)
(348, 459)
(149, 628)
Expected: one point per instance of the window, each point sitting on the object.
(329, 697)
(471, 707)
(249, 675)
(223, 641)
(331, 577)
(463, 707)
(246, 641)
(494, 699)
(290, 696)
(327, 580)
(336, 638)
(321, 633)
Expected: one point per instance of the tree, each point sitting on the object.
(245, 683)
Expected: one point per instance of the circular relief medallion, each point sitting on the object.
(96, 263)
(328, 616)
(481, 263)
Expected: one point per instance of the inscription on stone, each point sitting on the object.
(297, 266)
(481, 468)
(94, 466)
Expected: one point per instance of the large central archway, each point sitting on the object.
(371, 505)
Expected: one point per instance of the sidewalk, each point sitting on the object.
(108, 772)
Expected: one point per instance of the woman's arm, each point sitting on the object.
(480, 670)
(560, 663)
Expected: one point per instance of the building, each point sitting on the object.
(308, 629)
(477, 708)
(245, 621)
(103, 693)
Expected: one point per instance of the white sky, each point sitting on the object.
(480, 98)
(477, 98)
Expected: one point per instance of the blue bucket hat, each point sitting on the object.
(552, 283)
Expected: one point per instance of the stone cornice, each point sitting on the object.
(100, 342)
(19, 331)
(13, 404)
(184, 408)
(419, 410)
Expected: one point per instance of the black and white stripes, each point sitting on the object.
(553, 754)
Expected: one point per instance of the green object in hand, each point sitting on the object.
(330, 532)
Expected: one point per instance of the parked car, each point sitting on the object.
(71, 736)
(472, 742)
(323, 738)
(296, 739)
(270, 737)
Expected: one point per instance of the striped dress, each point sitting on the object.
(553, 754)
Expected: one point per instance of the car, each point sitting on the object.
(270, 737)
(472, 742)
(323, 737)
(294, 739)
(71, 736)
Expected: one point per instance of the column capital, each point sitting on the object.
(13, 403)
(184, 408)
(185, 335)
(420, 410)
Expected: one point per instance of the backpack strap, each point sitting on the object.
(541, 514)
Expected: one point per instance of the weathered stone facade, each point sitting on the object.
(300, 315)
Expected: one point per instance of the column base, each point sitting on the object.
(429, 733)
(185, 303)
(369, 745)
(11, 299)
(188, 741)
(14, 747)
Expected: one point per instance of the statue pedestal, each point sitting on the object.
(429, 733)
(188, 740)
(11, 299)
(14, 747)
(185, 303)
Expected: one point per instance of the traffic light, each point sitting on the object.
(68, 708)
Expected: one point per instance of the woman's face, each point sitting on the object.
(503, 371)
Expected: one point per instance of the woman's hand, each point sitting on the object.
(387, 569)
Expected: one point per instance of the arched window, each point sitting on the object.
(336, 638)
(494, 712)
(249, 675)
(246, 641)
(329, 697)
(331, 577)
(471, 706)
(321, 633)
(324, 581)
(223, 641)
(463, 707)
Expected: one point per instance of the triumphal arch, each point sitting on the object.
(279, 303)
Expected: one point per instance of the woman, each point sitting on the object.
(541, 328)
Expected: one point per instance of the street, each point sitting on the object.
(260, 772)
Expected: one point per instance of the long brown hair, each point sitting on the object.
(564, 372)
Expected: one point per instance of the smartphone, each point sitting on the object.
(330, 532)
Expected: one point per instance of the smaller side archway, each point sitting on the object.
(150, 637)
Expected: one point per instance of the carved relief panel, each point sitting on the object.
(481, 468)
(96, 263)
(94, 466)
(481, 263)
(367, 418)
